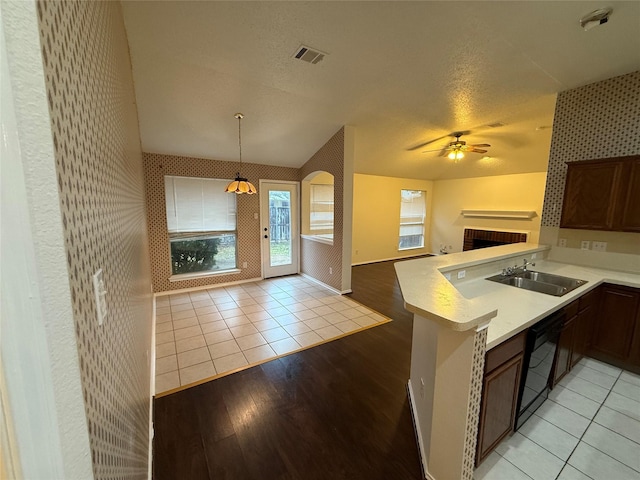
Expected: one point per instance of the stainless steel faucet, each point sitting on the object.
(513, 270)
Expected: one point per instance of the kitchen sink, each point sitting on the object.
(541, 282)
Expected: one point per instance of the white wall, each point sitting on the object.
(42, 392)
(506, 192)
(376, 217)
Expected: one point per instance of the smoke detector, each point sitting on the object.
(595, 18)
(309, 55)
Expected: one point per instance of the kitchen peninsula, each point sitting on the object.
(458, 317)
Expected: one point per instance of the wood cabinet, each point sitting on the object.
(633, 360)
(587, 312)
(630, 220)
(617, 326)
(503, 368)
(562, 363)
(603, 195)
(576, 333)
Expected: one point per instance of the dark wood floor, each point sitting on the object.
(336, 411)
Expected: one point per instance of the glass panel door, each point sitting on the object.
(280, 228)
(279, 216)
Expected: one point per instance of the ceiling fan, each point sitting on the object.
(456, 149)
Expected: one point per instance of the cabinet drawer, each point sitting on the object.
(571, 310)
(588, 299)
(503, 352)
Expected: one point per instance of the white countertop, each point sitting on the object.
(474, 301)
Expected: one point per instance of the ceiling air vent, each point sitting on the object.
(309, 55)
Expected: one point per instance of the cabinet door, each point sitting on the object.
(581, 335)
(498, 410)
(616, 321)
(563, 352)
(631, 203)
(590, 195)
(634, 355)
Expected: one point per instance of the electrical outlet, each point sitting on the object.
(534, 256)
(330, 271)
(447, 276)
(584, 245)
(462, 274)
(562, 242)
(599, 246)
(244, 264)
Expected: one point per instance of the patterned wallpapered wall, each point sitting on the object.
(475, 397)
(316, 258)
(601, 120)
(100, 178)
(156, 166)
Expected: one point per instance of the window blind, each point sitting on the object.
(199, 205)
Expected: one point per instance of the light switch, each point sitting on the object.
(101, 296)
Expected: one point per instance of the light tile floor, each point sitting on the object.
(588, 428)
(209, 333)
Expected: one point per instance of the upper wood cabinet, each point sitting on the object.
(631, 207)
(603, 195)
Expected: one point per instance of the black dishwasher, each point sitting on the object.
(540, 351)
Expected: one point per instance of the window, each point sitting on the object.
(413, 207)
(201, 220)
(317, 207)
(321, 215)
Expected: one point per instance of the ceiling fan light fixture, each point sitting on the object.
(240, 184)
(456, 155)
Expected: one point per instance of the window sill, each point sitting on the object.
(190, 276)
(410, 248)
(318, 238)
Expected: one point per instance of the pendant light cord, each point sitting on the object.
(240, 116)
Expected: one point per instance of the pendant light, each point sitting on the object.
(240, 184)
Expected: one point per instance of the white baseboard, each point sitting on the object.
(206, 287)
(418, 432)
(322, 284)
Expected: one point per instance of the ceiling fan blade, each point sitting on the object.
(477, 150)
(444, 152)
(434, 150)
(452, 134)
(480, 145)
(416, 147)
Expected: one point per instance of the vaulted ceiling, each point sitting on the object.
(400, 73)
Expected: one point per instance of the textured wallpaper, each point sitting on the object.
(601, 120)
(157, 166)
(101, 189)
(316, 258)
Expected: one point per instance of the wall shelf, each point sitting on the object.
(503, 214)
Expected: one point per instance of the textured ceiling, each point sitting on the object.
(401, 73)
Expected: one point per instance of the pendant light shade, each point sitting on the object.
(240, 184)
